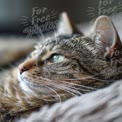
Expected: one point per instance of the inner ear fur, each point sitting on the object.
(66, 26)
(106, 36)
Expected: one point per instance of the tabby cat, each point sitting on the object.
(64, 65)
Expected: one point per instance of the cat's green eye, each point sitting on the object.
(57, 58)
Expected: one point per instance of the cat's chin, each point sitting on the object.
(32, 88)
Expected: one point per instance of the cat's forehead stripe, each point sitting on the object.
(46, 51)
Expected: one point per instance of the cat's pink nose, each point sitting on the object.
(26, 65)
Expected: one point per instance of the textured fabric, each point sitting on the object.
(101, 106)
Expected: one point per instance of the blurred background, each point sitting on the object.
(23, 20)
(24, 17)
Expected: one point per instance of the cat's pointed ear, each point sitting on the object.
(106, 36)
(65, 26)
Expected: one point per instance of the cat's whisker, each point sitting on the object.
(80, 89)
(50, 82)
(100, 80)
(71, 87)
(81, 86)
(70, 91)
(84, 78)
(90, 77)
(54, 92)
(47, 86)
(64, 89)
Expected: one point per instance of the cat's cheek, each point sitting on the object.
(25, 88)
(23, 85)
(31, 89)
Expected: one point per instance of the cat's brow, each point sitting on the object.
(46, 52)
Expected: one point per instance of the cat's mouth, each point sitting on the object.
(30, 87)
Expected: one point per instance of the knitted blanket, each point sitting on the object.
(104, 105)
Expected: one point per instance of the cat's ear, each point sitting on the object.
(65, 26)
(106, 36)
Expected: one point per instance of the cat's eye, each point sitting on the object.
(56, 58)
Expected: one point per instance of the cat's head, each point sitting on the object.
(70, 61)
